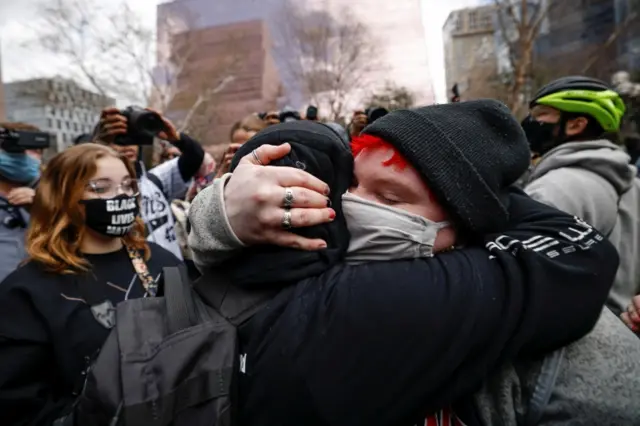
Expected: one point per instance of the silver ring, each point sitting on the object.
(288, 198)
(255, 157)
(286, 219)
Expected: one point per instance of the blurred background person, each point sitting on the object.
(169, 152)
(163, 183)
(361, 119)
(272, 117)
(241, 132)
(19, 174)
(579, 171)
(86, 253)
(180, 210)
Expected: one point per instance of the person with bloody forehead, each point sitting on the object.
(403, 274)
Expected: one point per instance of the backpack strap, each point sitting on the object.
(235, 304)
(544, 387)
(178, 295)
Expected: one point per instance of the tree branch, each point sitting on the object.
(612, 38)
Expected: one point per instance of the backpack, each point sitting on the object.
(170, 360)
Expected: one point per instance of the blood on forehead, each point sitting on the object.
(364, 141)
(397, 160)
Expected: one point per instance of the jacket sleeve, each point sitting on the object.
(192, 157)
(26, 363)
(564, 189)
(390, 342)
(173, 177)
(211, 238)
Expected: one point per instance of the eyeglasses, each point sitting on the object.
(167, 157)
(105, 188)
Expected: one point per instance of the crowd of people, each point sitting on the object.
(439, 265)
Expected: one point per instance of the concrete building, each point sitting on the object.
(470, 51)
(396, 26)
(58, 106)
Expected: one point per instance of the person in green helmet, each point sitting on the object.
(579, 171)
(592, 381)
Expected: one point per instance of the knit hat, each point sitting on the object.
(322, 152)
(468, 153)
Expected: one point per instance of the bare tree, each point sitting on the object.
(392, 97)
(630, 23)
(329, 57)
(111, 51)
(520, 23)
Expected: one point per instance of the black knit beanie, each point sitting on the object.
(469, 153)
(322, 152)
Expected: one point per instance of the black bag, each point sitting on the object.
(170, 360)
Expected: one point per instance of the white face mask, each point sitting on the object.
(380, 232)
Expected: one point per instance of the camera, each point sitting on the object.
(289, 114)
(142, 126)
(312, 113)
(17, 141)
(373, 113)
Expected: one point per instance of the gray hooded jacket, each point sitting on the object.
(590, 382)
(594, 181)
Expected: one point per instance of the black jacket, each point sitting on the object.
(48, 333)
(388, 343)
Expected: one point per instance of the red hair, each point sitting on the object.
(364, 141)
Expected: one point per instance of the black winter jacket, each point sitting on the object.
(388, 343)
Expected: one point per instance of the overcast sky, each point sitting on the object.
(19, 62)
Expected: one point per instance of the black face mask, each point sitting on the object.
(540, 135)
(113, 217)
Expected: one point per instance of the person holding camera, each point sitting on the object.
(126, 131)
(19, 173)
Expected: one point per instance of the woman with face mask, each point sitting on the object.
(86, 253)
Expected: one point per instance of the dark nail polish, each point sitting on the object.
(327, 191)
(328, 203)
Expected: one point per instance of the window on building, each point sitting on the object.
(473, 20)
(457, 22)
(487, 20)
(59, 124)
(49, 123)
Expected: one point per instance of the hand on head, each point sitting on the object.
(254, 200)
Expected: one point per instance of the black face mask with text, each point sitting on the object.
(541, 136)
(113, 217)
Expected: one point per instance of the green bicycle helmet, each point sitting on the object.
(584, 95)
